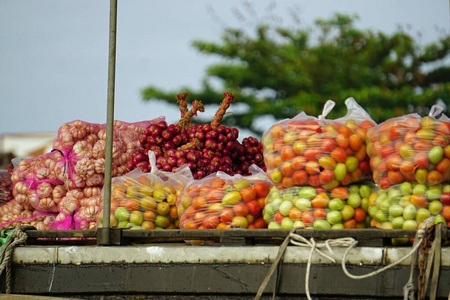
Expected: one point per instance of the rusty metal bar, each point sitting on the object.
(105, 236)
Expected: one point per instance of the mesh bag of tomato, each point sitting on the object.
(222, 201)
(407, 205)
(411, 148)
(319, 152)
(314, 207)
(147, 201)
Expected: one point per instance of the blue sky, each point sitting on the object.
(54, 53)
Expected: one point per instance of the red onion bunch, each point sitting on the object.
(205, 148)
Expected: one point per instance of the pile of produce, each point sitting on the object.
(5, 186)
(147, 200)
(205, 148)
(314, 207)
(410, 148)
(408, 205)
(221, 201)
(309, 151)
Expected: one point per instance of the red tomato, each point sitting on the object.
(261, 188)
(298, 162)
(287, 153)
(278, 217)
(360, 215)
(300, 177)
(314, 180)
(211, 221)
(240, 209)
(319, 213)
(227, 214)
(326, 176)
(312, 153)
(260, 223)
(254, 208)
(307, 218)
(339, 192)
(421, 160)
(328, 145)
(386, 151)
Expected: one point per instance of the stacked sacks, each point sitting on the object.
(318, 156)
(410, 159)
(65, 185)
(82, 168)
(37, 191)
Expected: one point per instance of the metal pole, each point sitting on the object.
(105, 235)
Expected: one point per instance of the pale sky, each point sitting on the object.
(54, 53)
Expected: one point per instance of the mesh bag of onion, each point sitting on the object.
(82, 145)
(147, 200)
(310, 151)
(5, 186)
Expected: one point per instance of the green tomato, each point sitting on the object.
(285, 207)
(422, 214)
(420, 189)
(340, 171)
(337, 226)
(287, 223)
(334, 217)
(365, 191)
(321, 224)
(298, 224)
(410, 224)
(397, 223)
(274, 225)
(336, 204)
(396, 210)
(409, 212)
(307, 192)
(354, 200)
(436, 154)
(351, 163)
(435, 207)
(303, 204)
(406, 188)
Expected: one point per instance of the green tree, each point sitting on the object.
(281, 71)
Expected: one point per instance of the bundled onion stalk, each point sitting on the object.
(205, 148)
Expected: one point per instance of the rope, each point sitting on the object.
(409, 288)
(300, 241)
(18, 237)
(420, 234)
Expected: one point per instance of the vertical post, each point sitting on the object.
(105, 235)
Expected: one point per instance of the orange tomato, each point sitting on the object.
(278, 217)
(361, 153)
(199, 202)
(326, 176)
(250, 219)
(215, 195)
(277, 131)
(287, 153)
(287, 182)
(295, 214)
(407, 167)
(434, 177)
(298, 162)
(395, 177)
(314, 180)
(339, 192)
(248, 194)
(312, 167)
(393, 162)
(345, 131)
(131, 204)
(262, 202)
(355, 142)
(320, 201)
(421, 160)
(419, 200)
(190, 225)
(312, 153)
(446, 212)
(173, 212)
(342, 141)
(286, 168)
(217, 182)
(199, 216)
(222, 225)
(149, 215)
(423, 145)
(444, 165)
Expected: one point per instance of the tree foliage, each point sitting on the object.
(282, 71)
